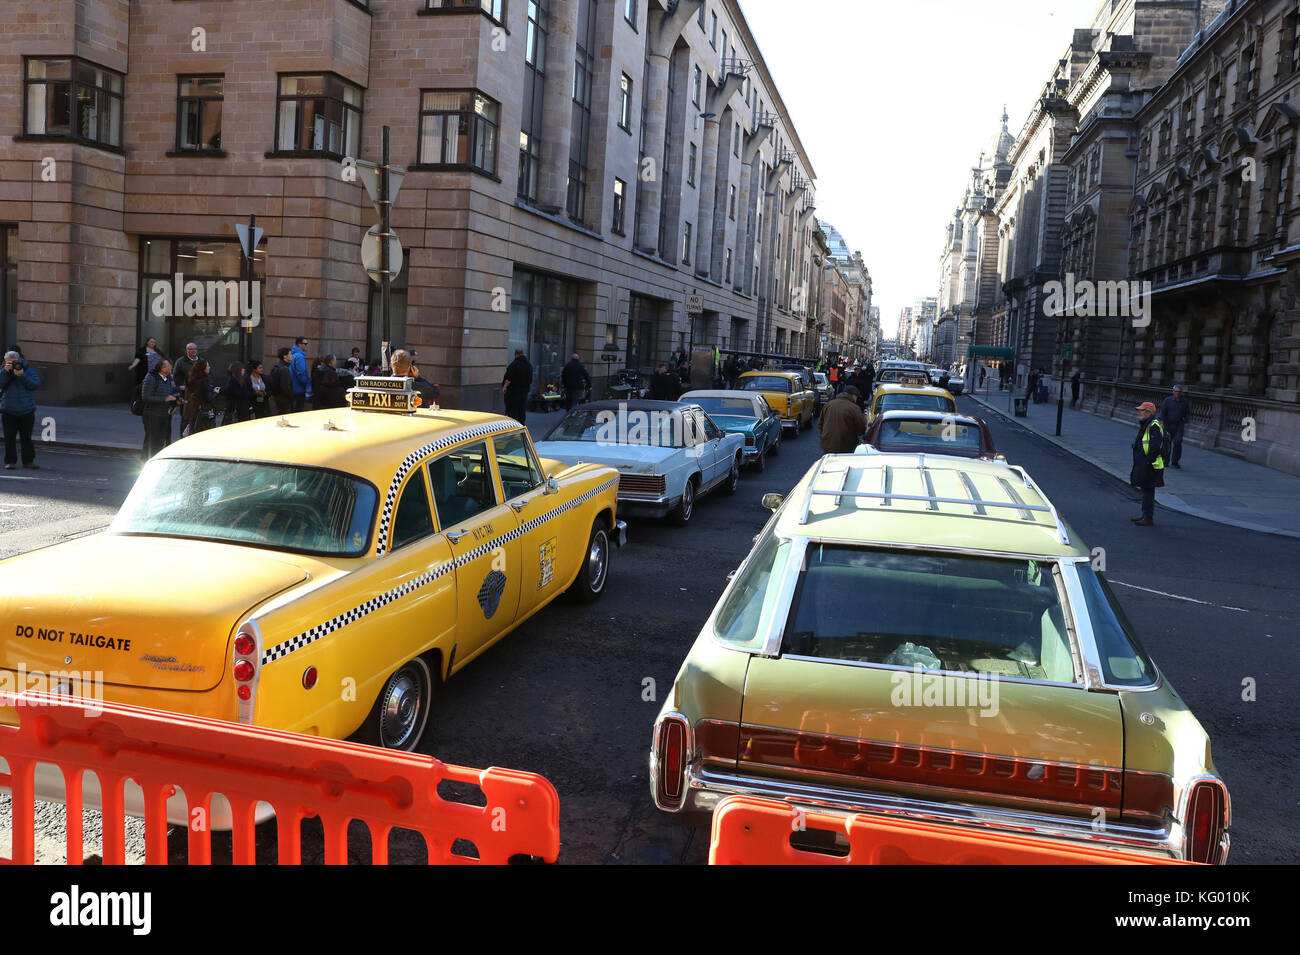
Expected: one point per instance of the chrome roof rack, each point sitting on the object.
(887, 495)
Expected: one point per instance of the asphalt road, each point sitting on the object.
(567, 695)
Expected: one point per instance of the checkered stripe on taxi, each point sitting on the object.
(308, 637)
(414, 458)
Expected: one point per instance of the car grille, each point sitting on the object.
(644, 485)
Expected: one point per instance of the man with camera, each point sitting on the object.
(18, 384)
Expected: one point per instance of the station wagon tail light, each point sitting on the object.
(1204, 823)
(671, 752)
(245, 666)
(749, 440)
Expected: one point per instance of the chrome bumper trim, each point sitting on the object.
(620, 533)
(706, 787)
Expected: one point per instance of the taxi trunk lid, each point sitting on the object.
(140, 611)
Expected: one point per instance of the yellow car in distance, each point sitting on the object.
(322, 572)
(785, 393)
(889, 397)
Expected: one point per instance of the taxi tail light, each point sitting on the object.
(672, 761)
(245, 669)
(1205, 823)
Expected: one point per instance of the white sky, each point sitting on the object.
(894, 101)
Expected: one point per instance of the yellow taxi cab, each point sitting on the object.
(786, 393)
(322, 572)
(899, 397)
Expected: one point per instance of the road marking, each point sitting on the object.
(1177, 597)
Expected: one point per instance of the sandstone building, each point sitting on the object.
(656, 160)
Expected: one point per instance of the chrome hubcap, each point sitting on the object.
(596, 561)
(401, 711)
(688, 499)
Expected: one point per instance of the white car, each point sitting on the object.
(668, 453)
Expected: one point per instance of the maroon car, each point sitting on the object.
(931, 432)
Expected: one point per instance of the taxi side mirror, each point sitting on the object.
(552, 486)
(773, 501)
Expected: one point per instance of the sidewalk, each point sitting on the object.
(113, 428)
(1213, 486)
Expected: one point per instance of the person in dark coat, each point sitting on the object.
(200, 399)
(146, 360)
(1032, 394)
(157, 393)
(279, 384)
(327, 387)
(238, 394)
(181, 366)
(518, 379)
(729, 371)
(843, 423)
(403, 367)
(260, 386)
(665, 385)
(1174, 413)
(1076, 381)
(18, 384)
(576, 382)
(1148, 464)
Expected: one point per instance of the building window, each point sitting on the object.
(690, 165)
(535, 38)
(1290, 59)
(699, 18)
(686, 243)
(629, 11)
(726, 267)
(1246, 76)
(713, 30)
(735, 143)
(620, 199)
(696, 83)
(198, 113)
(724, 45)
(576, 200)
(625, 104)
(171, 316)
(9, 286)
(69, 98)
(318, 113)
(731, 203)
(580, 126)
(531, 121)
(496, 9)
(459, 128)
(544, 323)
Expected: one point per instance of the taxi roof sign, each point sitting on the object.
(384, 394)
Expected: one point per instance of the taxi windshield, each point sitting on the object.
(906, 402)
(765, 383)
(278, 506)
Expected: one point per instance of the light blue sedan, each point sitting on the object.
(668, 453)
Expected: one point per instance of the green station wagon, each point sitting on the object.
(924, 637)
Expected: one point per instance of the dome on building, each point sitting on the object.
(999, 146)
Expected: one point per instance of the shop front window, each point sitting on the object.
(196, 290)
(544, 323)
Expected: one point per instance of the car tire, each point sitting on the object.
(733, 479)
(681, 514)
(593, 574)
(798, 425)
(400, 716)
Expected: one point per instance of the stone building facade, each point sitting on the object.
(969, 289)
(656, 161)
(1216, 230)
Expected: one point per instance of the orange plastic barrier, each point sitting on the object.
(752, 831)
(299, 776)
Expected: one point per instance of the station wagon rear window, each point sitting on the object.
(928, 436)
(277, 506)
(1123, 661)
(940, 612)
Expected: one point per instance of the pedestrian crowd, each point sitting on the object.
(188, 395)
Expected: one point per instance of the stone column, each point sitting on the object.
(650, 176)
(708, 187)
(557, 105)
(749, 172)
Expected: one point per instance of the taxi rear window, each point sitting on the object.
(765, 383)
(905, 402)
(278, 506)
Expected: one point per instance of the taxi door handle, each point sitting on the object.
(455, 536)
(518, 505)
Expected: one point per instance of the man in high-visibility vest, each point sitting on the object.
(834, 376)
(1148, 461)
